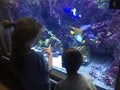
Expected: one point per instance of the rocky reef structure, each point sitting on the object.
(115, 39)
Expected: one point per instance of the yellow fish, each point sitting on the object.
(83, 41)
(76, 30)
(72, 32)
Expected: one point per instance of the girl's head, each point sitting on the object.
(25, 31)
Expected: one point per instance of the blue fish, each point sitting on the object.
(67, 10)
(74, 11)
(91, 35)
(79, 38)
(86, 27)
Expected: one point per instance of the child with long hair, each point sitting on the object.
(30, 66)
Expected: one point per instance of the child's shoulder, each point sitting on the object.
(85, 77)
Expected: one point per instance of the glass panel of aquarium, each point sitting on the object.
(87, 25)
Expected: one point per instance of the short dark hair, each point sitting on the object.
(72, 59)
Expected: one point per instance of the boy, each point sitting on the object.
(72, 60)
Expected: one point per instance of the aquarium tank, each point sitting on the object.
(87, 25)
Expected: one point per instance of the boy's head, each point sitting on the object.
(72, 60)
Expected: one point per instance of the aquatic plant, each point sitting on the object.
(49, 38)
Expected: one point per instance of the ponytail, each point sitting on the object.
(7, 23)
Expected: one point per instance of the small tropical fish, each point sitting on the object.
(72, 32)
(83, 41)
(85, 27)
(67, 10)
(74, 11)
(76, 30)
(80, 15)
(77, 33)
(79, 38)
(90, 35)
